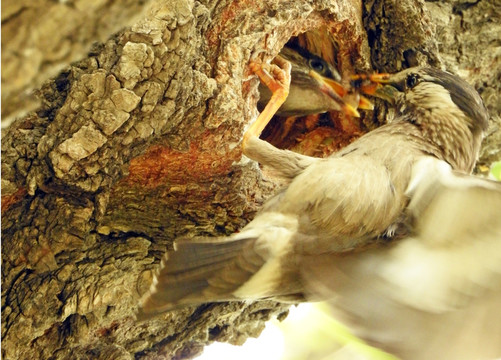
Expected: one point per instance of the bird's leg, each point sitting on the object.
(277, 77)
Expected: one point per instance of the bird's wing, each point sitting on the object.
(455, 236)
(246, 265)
(200, 270)
(342, 201)
(436, 293)
(448, 207)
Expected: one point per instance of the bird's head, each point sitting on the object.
(303, 62)
(448, 110)
(435, 91)
(315, 86)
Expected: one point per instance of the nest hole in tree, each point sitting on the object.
(317, 134)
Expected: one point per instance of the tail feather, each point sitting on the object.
(201, 270)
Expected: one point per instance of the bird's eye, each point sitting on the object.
(411, 80)
(317, 65)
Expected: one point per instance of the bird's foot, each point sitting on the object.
(277, 77)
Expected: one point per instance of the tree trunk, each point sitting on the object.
(41, 37)
(138, 143)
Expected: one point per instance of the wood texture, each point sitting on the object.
(138, 143)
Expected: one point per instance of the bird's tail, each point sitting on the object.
(201, 270)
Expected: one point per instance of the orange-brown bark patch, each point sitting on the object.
(227, 15)
(8, 200)
(162, 165)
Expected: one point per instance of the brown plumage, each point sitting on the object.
(372, 229)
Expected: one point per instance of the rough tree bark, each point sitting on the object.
(138, 143)
(35, 47)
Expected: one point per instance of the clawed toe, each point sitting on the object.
(277, 77)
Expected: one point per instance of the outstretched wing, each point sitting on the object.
(435, 294)
(246, 265)
(448, 207)
(200, 270)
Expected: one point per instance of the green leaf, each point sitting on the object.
(496, 170)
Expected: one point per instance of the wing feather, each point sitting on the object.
(200, 270)
(436, 293)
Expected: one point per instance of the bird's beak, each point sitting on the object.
(336, 92)
(378, 85)
(387, 92)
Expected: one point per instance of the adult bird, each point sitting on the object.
(392, 229)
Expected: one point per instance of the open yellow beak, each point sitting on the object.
(376, 85)
(336, 91)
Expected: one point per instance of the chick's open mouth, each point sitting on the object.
(320, 114)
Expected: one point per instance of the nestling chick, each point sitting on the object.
(305, 95)
(330, 234)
